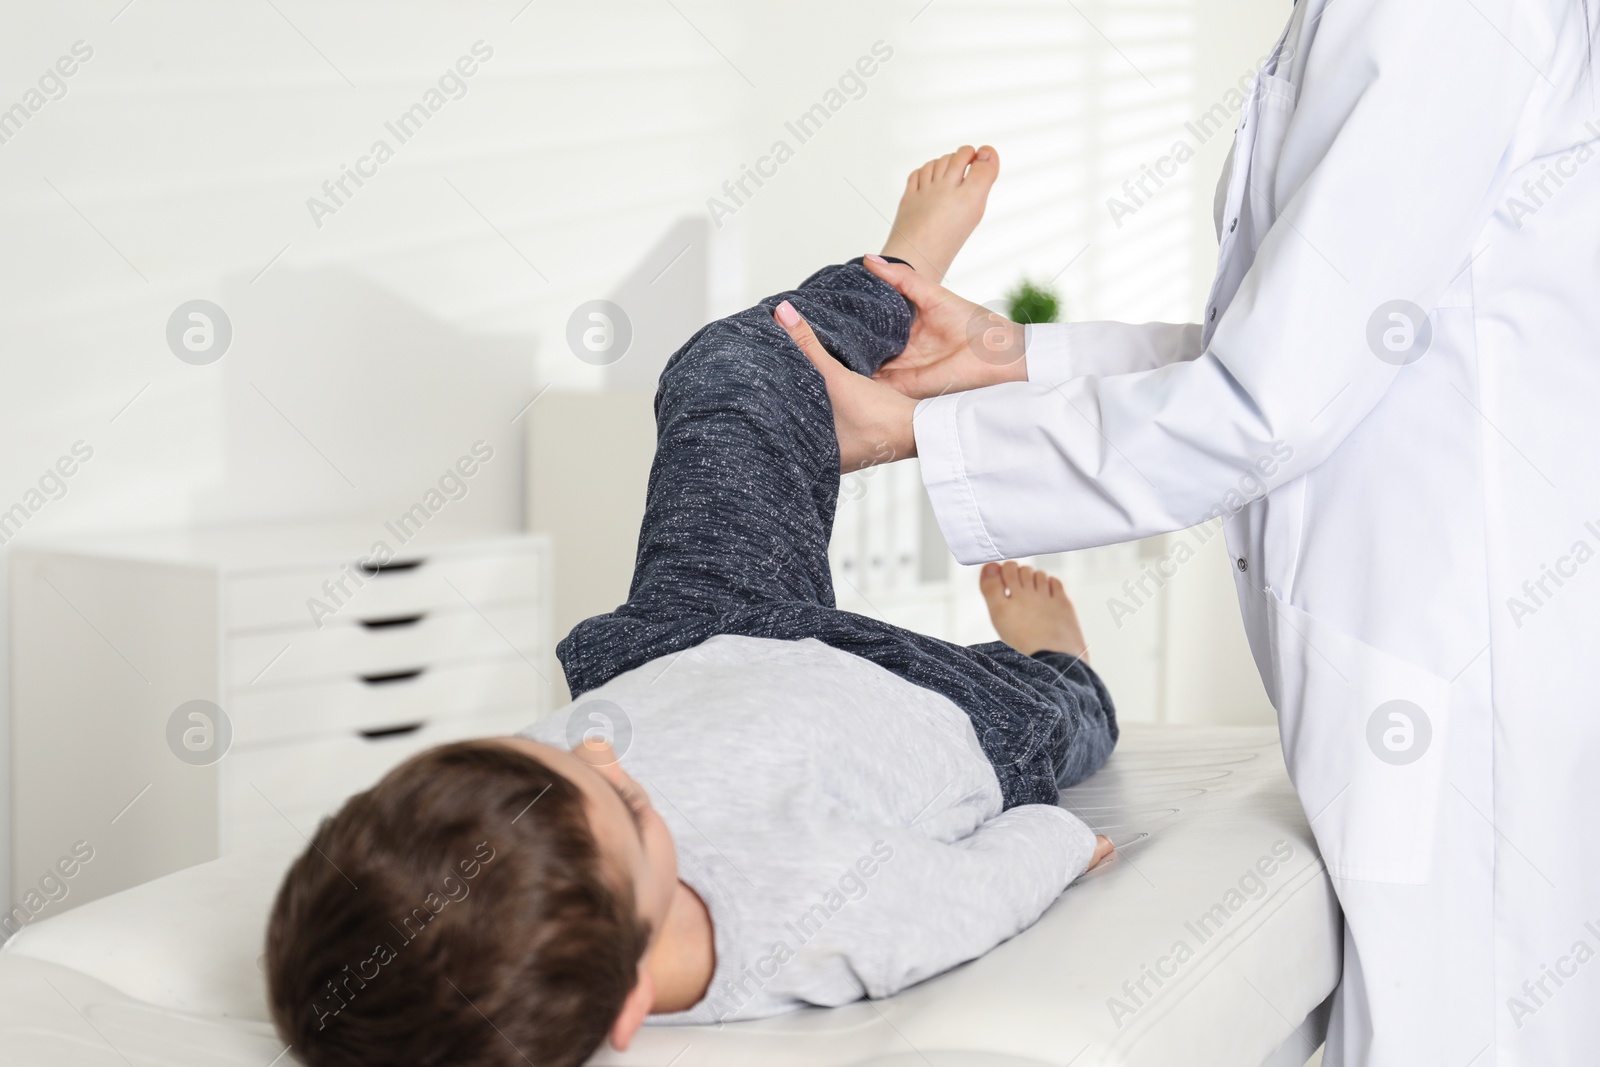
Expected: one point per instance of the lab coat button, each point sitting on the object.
(1234, 225)
(1213, 314)
(1243, 566)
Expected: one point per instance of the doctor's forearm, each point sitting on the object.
(1020, 469)
(1033, 466)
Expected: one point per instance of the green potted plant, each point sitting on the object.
(1031, 302)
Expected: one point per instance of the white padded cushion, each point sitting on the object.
(191, 941)
(171, 966)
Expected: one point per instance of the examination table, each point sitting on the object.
(1213, 938)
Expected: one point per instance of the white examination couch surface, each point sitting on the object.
(1212, 939)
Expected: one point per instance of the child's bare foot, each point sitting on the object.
(944, 200)
(1031, 611)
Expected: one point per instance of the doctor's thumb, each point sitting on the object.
(799, 330)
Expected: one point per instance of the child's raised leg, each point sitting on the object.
(742, 493)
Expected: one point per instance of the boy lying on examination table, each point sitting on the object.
(799, 806)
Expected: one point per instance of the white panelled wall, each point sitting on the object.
(376, 339)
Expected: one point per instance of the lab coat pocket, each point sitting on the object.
(1364, 736)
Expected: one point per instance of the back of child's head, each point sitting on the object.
(458, 912)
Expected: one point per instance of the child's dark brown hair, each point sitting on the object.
(456, 913)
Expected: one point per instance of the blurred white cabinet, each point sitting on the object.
(180, 695)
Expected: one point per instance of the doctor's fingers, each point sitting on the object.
(907, 282)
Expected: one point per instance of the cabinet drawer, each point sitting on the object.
(350, 704)
(408, 584)
(351, 649)
(279, 792)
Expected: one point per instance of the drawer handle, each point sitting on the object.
(397, 566)
(382, 732)
(392, 621)
(390, 677)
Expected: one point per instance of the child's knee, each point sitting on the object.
(863, 325)
(744, 361)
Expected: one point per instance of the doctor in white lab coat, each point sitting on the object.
(1394, 404)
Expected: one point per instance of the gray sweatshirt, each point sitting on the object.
(842, 825)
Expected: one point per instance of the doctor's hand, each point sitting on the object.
(955, 344)
(872, 420)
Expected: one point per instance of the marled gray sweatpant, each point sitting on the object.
(737, 522)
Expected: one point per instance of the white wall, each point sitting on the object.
(430, 309)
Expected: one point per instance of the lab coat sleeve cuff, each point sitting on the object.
(1048, 348)
(944, 475)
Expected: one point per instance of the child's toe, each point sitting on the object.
(991, 583)
(959, 160)
(985, 167)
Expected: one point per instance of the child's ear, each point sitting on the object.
(634, 1010)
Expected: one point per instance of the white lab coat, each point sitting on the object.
(1424, 530)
